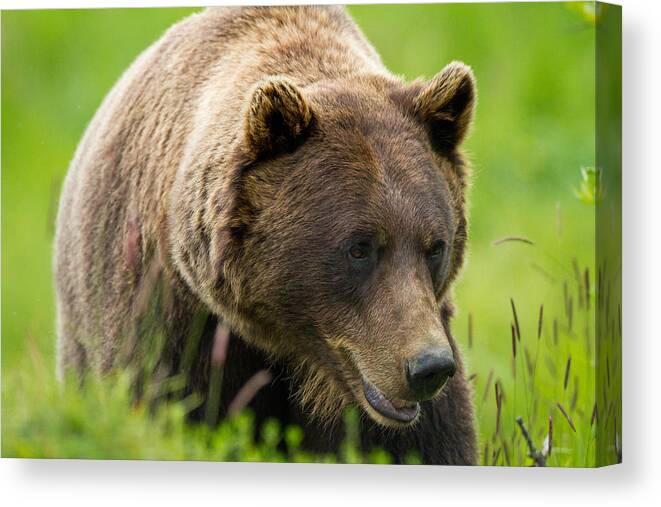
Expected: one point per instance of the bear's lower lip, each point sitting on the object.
(385, 407)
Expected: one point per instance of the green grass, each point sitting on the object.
(533, 133)
(100, 421)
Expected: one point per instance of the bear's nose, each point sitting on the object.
(427, 371)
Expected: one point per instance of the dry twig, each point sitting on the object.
(539, 460)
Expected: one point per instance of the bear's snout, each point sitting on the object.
(429, 370)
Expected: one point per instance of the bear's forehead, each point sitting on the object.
(368, 110)
(374, 158)
(372, 128)
(366, 183)
(396, 159)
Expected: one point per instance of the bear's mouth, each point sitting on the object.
(389, 412)
(396, 410)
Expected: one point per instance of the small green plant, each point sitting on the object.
(589, 11)
(590, 190)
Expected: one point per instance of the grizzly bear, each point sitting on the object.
(259, 171)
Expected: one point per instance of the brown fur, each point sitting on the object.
(244, 151)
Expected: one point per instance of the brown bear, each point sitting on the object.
(278, 181)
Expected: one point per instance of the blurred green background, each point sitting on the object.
(534, 131)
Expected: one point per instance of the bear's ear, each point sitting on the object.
(277, 117)
(445, 105)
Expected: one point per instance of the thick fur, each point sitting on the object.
(223, 172)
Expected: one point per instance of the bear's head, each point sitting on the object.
(345, 231)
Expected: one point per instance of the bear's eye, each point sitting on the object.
(436, 250)
(359, 251)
